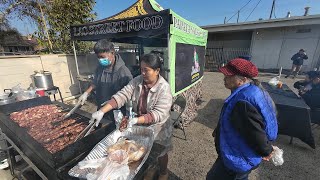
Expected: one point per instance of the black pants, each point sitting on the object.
(219, 171)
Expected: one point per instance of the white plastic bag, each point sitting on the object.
(93, 163)
(117, 117)
(277, 157)
(23, 94)
(274, 81)
(110, 170)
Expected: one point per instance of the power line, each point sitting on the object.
(239, 10)
(253, 10)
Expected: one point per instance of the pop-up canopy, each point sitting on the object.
(146, 23)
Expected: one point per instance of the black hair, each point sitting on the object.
(317, 75)
(103, 46)
(153, 61)
(256, 82)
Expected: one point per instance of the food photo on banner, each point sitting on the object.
(189, 65)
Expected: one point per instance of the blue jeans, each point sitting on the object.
(219, 171)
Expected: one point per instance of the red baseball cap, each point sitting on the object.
(240, 67)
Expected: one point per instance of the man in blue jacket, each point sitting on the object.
(247, 124)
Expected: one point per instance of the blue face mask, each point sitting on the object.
(104, 62)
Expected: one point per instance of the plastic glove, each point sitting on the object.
(96, 117)
(132, 122)
(83, 98)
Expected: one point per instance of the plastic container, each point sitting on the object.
(40, 92)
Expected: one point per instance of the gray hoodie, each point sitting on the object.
(107, 82)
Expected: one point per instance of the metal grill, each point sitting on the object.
(51, 165)
(216, 57)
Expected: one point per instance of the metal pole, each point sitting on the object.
(76, 60)
(169, 61)
(225, 20)
(272, 8)
(238, 16)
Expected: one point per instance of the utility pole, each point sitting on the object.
(272, 8)
(238, 16)
(225, 20)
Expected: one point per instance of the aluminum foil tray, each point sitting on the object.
(141, 135)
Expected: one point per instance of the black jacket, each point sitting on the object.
(298, 59)
(299, 83)
(250, 125)
(312, 97)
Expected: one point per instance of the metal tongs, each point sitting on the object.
(72, 110)
(86, 130)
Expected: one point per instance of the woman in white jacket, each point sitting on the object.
(152, 100)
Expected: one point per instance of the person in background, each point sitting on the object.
(312, 97)
(306, 84)
(110, 76)
(297, 62)
(152, 100)
(247, 124)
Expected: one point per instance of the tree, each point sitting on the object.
(5, 29)
(64, 13)
(53, 19)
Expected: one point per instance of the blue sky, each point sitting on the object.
(202, 12)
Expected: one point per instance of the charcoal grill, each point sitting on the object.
(53, 166)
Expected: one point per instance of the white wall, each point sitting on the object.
(17, 69)
(273, 48)
(230, 40)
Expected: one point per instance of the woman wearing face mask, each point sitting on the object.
(110, 76)
(152, 100)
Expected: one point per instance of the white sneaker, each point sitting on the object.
(4, 164)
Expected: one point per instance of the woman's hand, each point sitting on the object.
(132, 122)
(267, 158)
(96, 117)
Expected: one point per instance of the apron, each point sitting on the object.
(163, 135)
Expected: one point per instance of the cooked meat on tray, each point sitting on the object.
(135, 152)
(45, 124)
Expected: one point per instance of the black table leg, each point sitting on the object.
(291, 140)
(11, 159)
(60, 94)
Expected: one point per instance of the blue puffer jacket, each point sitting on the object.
(235, 152)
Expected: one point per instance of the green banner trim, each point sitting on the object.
(155, 5)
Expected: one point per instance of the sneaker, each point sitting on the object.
(286, 76)
(4, 164)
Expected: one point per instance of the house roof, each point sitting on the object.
(261, 24)
(15, 40)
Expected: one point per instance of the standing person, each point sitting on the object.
(247, 124)
(152, 100)
(297, 62)
(110, 76)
